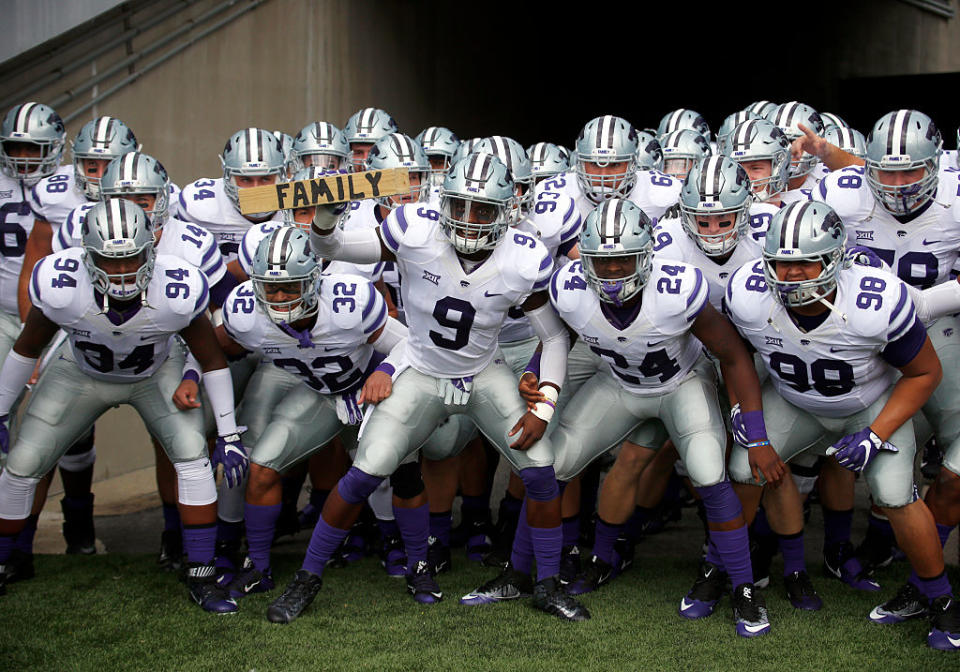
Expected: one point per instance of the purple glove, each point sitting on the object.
(863, 256)
(854, 451)
(348, 411)
(4, 434)
(233, 456)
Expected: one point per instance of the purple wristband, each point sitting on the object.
(533, 366)
(191, 375)
(753, 425)
(386, 367)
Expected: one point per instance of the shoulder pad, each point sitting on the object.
(239, 323)
(348, 297)
(182, 285)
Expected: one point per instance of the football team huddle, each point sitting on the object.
(707, 307)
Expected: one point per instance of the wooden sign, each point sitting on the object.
(324, 190)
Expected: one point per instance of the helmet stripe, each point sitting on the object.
(742, 138)
(253, 146)
(605, 132)
(129, 167)
(674, 122)
(365, 124)
(117, 218)
(102, 132)
(897, 136)
(23, 118)
(278, 247)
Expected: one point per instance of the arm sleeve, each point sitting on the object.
(556, 343)
(219, 386)
(13, 378)
(359, 246)
(393, 332)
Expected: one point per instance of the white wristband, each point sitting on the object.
(545, 409)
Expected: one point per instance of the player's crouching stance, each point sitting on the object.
(647, 319)
(321, 328)
(121, 306)
(463, 269)
(831, 337)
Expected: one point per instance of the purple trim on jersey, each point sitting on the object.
(220, 291)
(388, 238)
(904, 326)
(34, 199)
(546, 263)
(901, 352)
(204, 298)
(371, 302)
(34, 280)
(246, 257)
(695, 314)
(208, 256)
(823, 189)
(696, 288)
(902, 300)
(565, 248)
(621, 317)
(381, 318)
(401, 220)
(553, 284)
(118, 317)
(377, 213)
(573, 230)
(183, 203)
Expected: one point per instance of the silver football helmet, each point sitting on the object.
(397, 150)
(617, 228)
(716, 186)
(649, 152)
(831, 119)
(547, 160)
(284, 258)
(729, 123)
(320, 144)
(465, 149)
(116, 229)
(308, 173)
(848, 139)
(37, 125)
(681, 150)
(251, 152)
(788, 117)
(804, 231)
(286, 142)
(680, 119)
(606, 152)
(439, 144)
(902, 141)
(514, 157)
(760, 140)
(477, 201)
(366, 126)
(136, 173)
(761, 107)
(104, 138)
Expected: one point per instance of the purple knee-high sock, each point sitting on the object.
(440, 524)
(571, 531)
(23, 542)
(6, 546)
(547, 542)
(791, 546)
(199, 542)
(475, 507)
(388, 528)
(943, 531)
(414, 527)
(933, 587)
(171, 517)
(836, 527)
(229, 530)
(713, 555)
(604, 538)
(733, 546)
(521, 556)
(261, 523)
(324, 542)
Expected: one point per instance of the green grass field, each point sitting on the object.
(119, 612)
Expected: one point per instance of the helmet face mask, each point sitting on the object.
(681, 151)
(32, 138)
(118, 249)
(102, 139)
(606, 153)
(135, 174)
(902, 161)
(397, 150)
(319, 144)
(804, 232)
(439, 144)
(760, 140)
(616, 250)
(717, 192)
(251, 153)
(477, 201)
(286, 276)
(788, 118)
(514, 157)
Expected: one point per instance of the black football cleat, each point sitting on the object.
(801, 593)
(509, 585)
(204, 590)
(548, 597)
(78, 530)
(296, 597)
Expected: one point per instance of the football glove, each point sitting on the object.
(230, 453)
(736, 426)
(863, 256)
(348, 411)
(854, 451)
(456, 391)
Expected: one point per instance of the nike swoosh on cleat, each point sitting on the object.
(708, 572)
(954, 642)
(876, 614)
(250, 586)
(755, 628)
(684, 605)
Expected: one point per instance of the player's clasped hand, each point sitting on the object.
(230, 453)
(185, 396)
(349, 411)
(737, 427)
(4, 434)
(855, 451)
(456, 391)
(377, 387)
(765, 462)
(529, 391)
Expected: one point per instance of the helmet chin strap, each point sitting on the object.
(843, 315)
(613, 290)
(303, 337)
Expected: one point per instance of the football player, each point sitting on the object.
(363, 129)
(439, 144)
(463, 269)
(681, 150)
(319, 144)
(649, 320)
(831, 336)
(804, 174)
(121, 305)
(290, 313)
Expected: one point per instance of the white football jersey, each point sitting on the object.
(653, 354)
(949, 160)
(921, 251)
(190, 242)
(454, 317)
(350, 311)
(118, 350)
(833, 370)
(52, 198)
(205, 202)
(16, 223)
(653, 193)
(671, 241)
